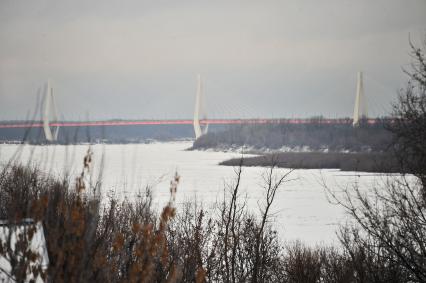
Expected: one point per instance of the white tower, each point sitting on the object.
(199, 110)
(360, 108)
(49, 103)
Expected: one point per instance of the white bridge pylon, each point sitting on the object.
(48, 106)
(199, 110)
(360, 108)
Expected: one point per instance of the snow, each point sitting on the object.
(302, 210)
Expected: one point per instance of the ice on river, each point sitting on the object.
(302, 210)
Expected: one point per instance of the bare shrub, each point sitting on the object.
(124, 243)
(387, 241)
(409, 124)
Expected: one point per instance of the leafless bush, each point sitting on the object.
(410, 117)
(228, 243)
(124, 243)
(387, 241)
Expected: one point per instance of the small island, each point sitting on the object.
(315, 145)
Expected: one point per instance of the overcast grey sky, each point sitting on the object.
(139, 59)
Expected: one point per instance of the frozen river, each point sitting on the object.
(302, 210)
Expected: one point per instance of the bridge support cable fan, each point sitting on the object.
(49, 106)
(360, 108)
(199, 111)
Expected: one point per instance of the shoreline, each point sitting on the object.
(358, 162)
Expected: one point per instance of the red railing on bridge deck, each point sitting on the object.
(39, 124)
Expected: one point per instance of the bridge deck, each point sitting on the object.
(184, 122)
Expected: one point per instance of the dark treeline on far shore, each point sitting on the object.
(104, 134)
(314, 136)
(365, 162)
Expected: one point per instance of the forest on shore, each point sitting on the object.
(314, 136)
(376, 162)
(366, 147)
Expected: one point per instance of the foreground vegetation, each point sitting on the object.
(130, 242)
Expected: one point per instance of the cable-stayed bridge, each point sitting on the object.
(50, 124)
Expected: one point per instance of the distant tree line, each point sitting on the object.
(362, 162)
(315, 136)
(103, 134)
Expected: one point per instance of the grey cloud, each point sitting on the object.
(138, 59)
